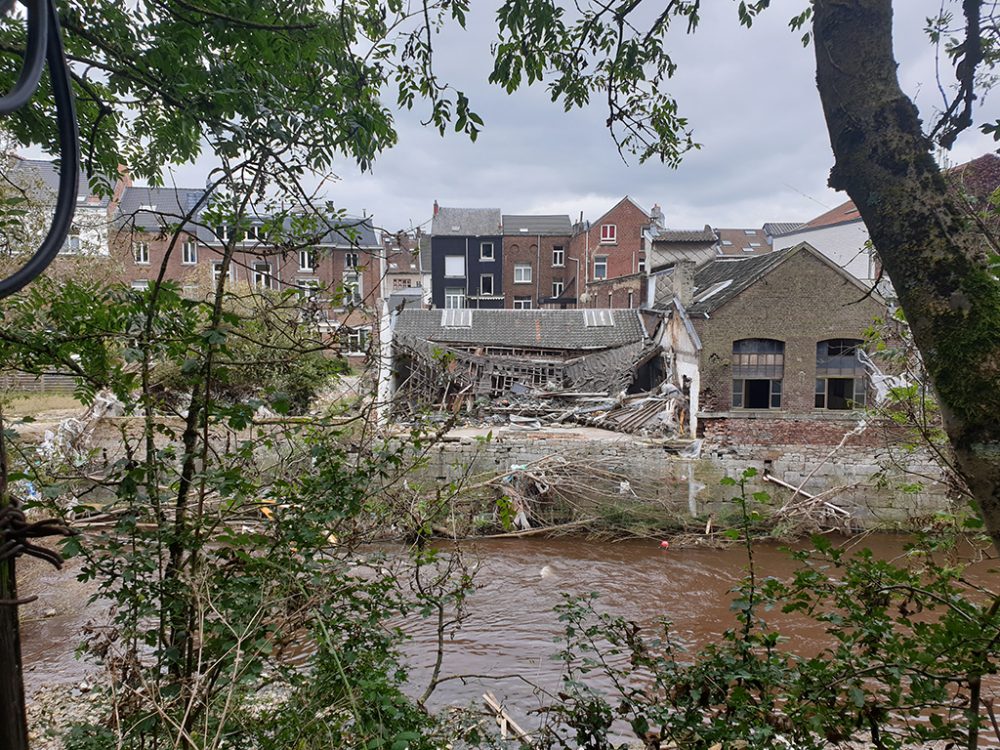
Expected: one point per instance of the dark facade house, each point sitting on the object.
(769, 345)
(540, 269)
(466, 258)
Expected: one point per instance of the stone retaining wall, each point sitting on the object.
(874, 487)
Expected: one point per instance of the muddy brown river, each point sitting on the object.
(511, 628)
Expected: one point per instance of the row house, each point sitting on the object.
(467, 258)
(36, 181)
(539, 265)
(339, 275)
(480, 258)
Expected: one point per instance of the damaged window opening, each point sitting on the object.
(758, 370)
(841, 384)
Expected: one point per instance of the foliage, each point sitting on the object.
(301, 75)
(243, 612)
(907, 648)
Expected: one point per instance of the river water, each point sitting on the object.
(510, 628)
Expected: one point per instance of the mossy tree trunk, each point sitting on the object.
(933, 252)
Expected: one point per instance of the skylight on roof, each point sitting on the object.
(456, 318)
(598, 318)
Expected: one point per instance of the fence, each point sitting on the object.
(49, 382)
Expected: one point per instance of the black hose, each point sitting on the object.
(34, 59)
(44, 38)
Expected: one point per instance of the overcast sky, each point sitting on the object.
(750, 96)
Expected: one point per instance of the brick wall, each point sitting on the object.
(800, 302)
(536, 251)
(619, 293)
(624, 253)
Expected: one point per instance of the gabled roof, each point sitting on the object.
(626, 199)
(685, 235)
(39, 179)
(978, 177)
(557, 224)
(845, 213)
(778, 228)
(466, 222)
(723, 279)
(527, 329)
(743, 241)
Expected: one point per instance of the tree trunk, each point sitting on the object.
(929, 246)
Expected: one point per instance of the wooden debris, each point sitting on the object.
(504, 721)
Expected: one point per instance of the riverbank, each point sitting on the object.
(508, 638)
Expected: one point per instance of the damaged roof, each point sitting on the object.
(536, 224)
(721, 280)
(463, 222)
(527, 329)
(725, 278)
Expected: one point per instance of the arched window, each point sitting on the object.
(758, 368)
(840, 376)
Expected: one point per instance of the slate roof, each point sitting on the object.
(739, 274)
(514, 224)
(778, 228)
(529, 329)
(168, 206)
(424, 250)
(467, 222)
(41, 177)
(686, 235)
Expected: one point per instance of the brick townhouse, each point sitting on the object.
(539, 269)
(341, 273)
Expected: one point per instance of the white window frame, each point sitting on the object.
(357, 340)
(140, 285)
(558, 287)
(522, 303)
(308, 260)
(309, 288)
(217, 272)
(262, 280)
(351, 260)
(140, 251)
(558, 256)
(353, 293)
(454, 260)
(482, 251)
(482, 288)
(522, 273)
(601, 261)
(454, 298)
(222, 232)
(189, 253)
(609, 234)
(642, 264)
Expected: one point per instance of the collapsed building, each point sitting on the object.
(601, 367)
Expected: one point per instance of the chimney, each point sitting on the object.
(656, 214)
(436, 208)
(682, 281)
